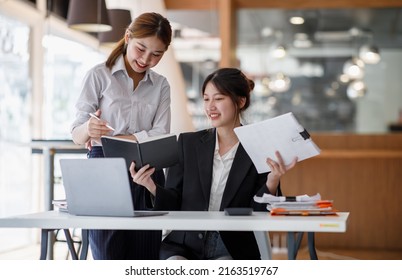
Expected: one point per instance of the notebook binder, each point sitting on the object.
(158, 151)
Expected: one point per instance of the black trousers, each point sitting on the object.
(127, 244)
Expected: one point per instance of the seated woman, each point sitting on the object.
(214, 172)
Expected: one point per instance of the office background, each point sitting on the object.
(42, 62)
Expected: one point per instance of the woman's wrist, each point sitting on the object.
(152, 189)
(272, 185)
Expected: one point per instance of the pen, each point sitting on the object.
(94, 116)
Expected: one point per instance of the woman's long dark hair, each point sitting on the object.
(145, 25)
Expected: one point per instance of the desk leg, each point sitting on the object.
(70, 244)
(84, 245)
(294, 245)
(48, 158)
(311, 246)
(43, 244)
(48, 239)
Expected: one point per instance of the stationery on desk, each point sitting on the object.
(157, 151)
(60, 204)
(282, 133)
(301, 205)
(313, 208)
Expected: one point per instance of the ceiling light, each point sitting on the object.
(301, 36)
(267, 32)
(261, 87)
(88, 16)
(279, 52)
(369, 54)
(343, 78)
(354, 68)
(354, 31)
(279, 83)
(120, 19)
(297, 20)
(330, 92)
(301, 40)
(356, 89)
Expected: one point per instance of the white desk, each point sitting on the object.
(180, 220)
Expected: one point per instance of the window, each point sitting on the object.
(66, 63)
(15, 108)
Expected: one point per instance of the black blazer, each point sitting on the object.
(188, 188)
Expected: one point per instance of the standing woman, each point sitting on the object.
(214, 172)
(125, 94)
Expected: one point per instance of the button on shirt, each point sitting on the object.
(220, 174)
(143, 112)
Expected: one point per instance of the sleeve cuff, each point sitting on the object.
(142, 135)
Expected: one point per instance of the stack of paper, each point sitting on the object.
(297, 205)
(60, 204)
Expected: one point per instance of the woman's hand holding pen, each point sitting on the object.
(278, 168)
(143, 177)
(97, 127)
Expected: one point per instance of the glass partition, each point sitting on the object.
(337, 70)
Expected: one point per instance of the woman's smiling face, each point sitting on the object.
(144, 53)
(218, 107)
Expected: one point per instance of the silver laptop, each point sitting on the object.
(99, 187)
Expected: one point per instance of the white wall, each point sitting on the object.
(383, 100)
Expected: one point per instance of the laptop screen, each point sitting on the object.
(97, 187)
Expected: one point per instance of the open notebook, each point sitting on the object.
(99, 187)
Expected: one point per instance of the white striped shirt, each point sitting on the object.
(143, 112)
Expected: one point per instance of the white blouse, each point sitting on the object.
(220, 173)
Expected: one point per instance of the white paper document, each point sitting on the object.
(282, 133)
(296, 205)
(270, 199)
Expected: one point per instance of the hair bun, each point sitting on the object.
(251, 84)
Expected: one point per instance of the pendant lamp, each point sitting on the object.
(120, 19)
(354, 68)
(369, 54)
(88, 16)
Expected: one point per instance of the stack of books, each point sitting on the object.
(302, 205)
